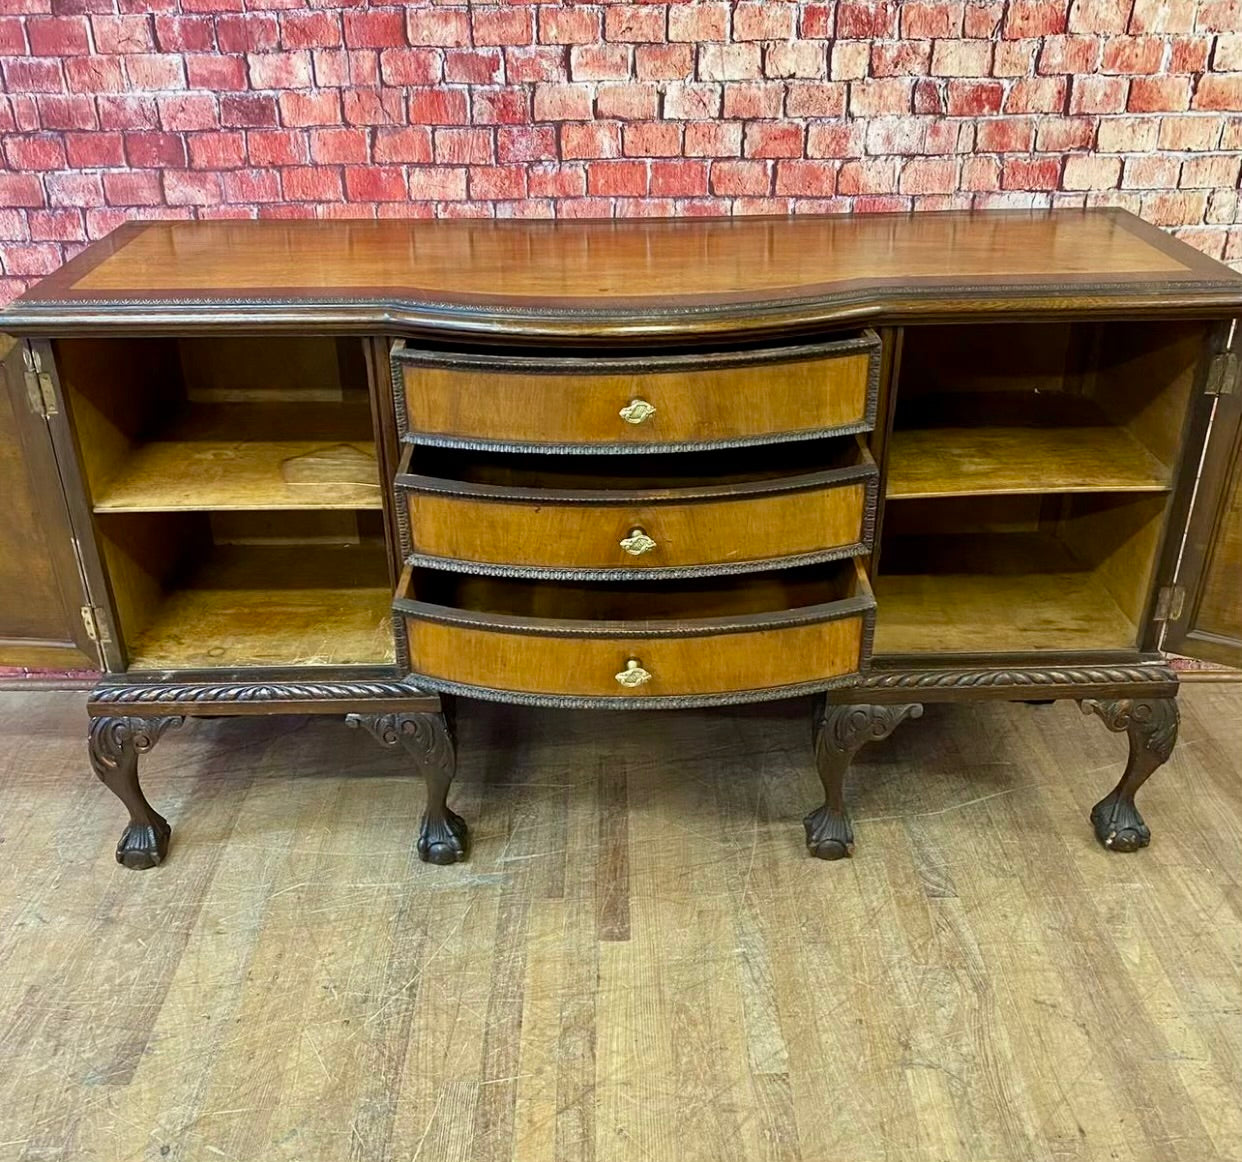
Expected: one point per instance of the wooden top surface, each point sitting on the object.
(623, 276)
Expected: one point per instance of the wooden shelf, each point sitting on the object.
(935, 462)
(266, 606)
(994, 594)
(218, 457)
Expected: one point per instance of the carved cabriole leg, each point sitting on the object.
(1151, 724)
(428, 739)
(839, 731)
(115, 744)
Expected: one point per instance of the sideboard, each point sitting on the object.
(367, 468)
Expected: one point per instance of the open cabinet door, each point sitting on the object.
(1205, 601)
(41, 591)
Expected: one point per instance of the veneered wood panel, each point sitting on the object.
(692, 405)
(40, 588)
(548, 534)
(1220, 611)
(587, 667)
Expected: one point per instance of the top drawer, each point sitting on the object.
(637, 403)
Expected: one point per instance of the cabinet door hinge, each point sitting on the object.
(96, 627)
(40, 394)
(1169, 603)
(1222, 376)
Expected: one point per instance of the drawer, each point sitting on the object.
(737, 639)
(637, 402)
(658, 515)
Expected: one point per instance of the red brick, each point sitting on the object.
(1222, 91)
(1034, 18)
(94, 74)
(1039, 173)
(816, 99)
(1163, 15)
(803, 58)
(184, 33)
(874, 176)
(249, 110)
(397, 144)
(1098, 94)
(286, 70)
(128, 113)
(410, 66)
(122, 34)
(1091, 173)
(928, 97)
(502, 182)
(1189, 54)
(774, 139)
(438, 107)
(983, 18)
(27, 75)
(438, 27)
(1014, 58)
(502, 25)
(540, 63)
(1100, 15)
(526, 143)
(921, 20)
(713, 139)
(928, 176)
(182, 111)
(663, 62)
(980, 173)
(1069, 54)
(1127, 134)
(599, 62)
(764, 21)
(559, 25)
(900, 58)
(43, 152)
(509, 106)
(891, 95)
(155, 150)
(191, 189)
(635, 22)
(247, 186)
(60, 112)
(280, 146)
(155, 71)
(698, 23)
(1190, 133)
(651, 139)
(464, 147)
(896, 135)
(251, 32)
(849, 60)
(20, 190)
(867, 19)
(37, 258)
(962, 58)
(634, 102)
(90, 150)
(563, 102)
(974, 98)
(617, 178)
(312, 30)
(1174, 209)
(137, 187)
(1155, 171)
(557, 181)
(216, 150)
(1132, 54)
(1219, 16)
(438, 183)
(310, 108)
(596, 139)
(1063, 134)
(372, 29)
(949, 137)
(1159, 94)
(730, 62)
(731, 178)
(58, 36)
(12, 36)
(316, 183)
(373, 183)
(1037, 95)
(818, 21)
(747, 102)
(217, 73)
(813, 179)
(1006, 135)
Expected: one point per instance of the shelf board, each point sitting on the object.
(994, 594)
(265, 606)
(936, 462)
(251, 456)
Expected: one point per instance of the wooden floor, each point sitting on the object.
(639, 962)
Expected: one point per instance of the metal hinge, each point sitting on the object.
(1169, 603)
(40, 394)
(88, 620)
(1222, 376)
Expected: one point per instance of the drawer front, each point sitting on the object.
(682, 401)
(576, 667)
(637, 535)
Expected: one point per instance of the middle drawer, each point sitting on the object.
(725, 511)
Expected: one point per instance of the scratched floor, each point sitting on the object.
(639, 962)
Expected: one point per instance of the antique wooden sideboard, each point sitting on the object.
(365, 468)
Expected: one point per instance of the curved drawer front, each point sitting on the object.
(717, 530)
(679, 401)
(746, 657)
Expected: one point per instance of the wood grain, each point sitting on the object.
(1220, 611)
(294, 982)
(691, 405)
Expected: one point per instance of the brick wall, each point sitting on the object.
(119, 109)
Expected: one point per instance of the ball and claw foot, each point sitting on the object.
(144, 845)
(444, 840)
(829, 834)
(1151, 726)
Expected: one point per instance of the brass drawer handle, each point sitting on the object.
(637, 543)
(633, 675)
(637, 411)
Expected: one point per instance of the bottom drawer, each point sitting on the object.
(739, 639)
